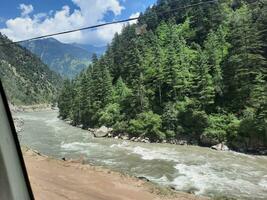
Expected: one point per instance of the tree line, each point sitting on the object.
(197, 74)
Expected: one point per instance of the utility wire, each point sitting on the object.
(108, 23)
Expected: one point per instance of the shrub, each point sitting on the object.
(253, 128)
(172, 117)
(193, 122)
(110, 115)
(221, 127)
(121, 126)
(147, 124)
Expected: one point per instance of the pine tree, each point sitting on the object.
(121, 91)
(216, 49)
(245, 60)
(196, 72)
(204, 90)
(65, 100)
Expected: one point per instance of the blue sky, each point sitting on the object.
(22, 19)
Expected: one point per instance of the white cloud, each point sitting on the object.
(89, 12)
(134, 16)
(25, 9)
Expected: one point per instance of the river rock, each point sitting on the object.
(182, 142)
(143, 178)
(145, 140)
(172, 187)
(110, 135)
(220, 147)
(125, 137)
(138, 139)
(172, 141)
(102, 131)
(80, 126)
(263, 152)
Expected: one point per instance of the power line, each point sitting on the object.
(108, 23)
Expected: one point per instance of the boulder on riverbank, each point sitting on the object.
(220, 147)
(103, 131)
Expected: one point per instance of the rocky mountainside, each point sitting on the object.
(25, 78)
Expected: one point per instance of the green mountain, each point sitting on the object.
(25, 78)
(98, 50)
(197, 74)
(66, 59)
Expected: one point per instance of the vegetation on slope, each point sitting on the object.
(198, 74)
(66, 59)
(25, 78)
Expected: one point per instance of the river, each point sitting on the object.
(187, 168)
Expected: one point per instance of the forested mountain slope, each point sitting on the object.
(25, 78)
(66, 59)
(197, 74)
(98, 50)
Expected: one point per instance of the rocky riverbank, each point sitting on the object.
(31, 108)
(105, 132)
(18, 122)
(70, 179)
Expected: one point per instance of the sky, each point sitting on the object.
(23, 19)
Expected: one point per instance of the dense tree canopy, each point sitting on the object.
(197, 73)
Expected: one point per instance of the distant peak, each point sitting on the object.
(51, 39)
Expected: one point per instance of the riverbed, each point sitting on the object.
(198, 170)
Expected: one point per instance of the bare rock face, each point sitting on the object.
(102, 131)
(220, 147)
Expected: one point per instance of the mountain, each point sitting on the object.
(25, 78)
(93, 49)
(66, 59)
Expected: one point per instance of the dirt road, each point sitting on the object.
(68, 180)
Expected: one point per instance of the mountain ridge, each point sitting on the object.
(25, 78)
(98, 50)
(66, 59)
